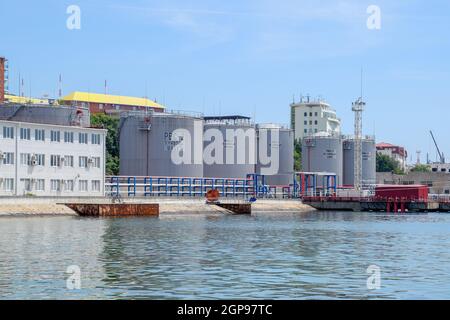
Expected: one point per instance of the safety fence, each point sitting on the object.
(135, 186)
(253, 185)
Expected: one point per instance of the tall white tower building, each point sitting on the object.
(311, 117)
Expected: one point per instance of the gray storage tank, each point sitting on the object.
(236, 154)
(149, 141)
(280, 140)
(368, 161)
(323, 153)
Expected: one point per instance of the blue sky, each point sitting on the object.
(248, 57)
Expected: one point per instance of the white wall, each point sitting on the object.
(46, 172)
(321, 113)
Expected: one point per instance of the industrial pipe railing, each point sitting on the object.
(135, 186)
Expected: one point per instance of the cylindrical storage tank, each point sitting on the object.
(368, 161)
(229, 147)
(275, 146)
(160, 144)
(323, 154)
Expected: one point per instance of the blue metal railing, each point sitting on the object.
(253, 185)
(184, 186)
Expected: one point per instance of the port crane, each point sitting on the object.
(441, 154)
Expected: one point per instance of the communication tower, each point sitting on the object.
(358, 108)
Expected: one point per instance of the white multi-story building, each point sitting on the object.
(309, 118)
(51, 160)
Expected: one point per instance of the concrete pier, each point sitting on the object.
(444, 207)
(337, 204)
(34, 206)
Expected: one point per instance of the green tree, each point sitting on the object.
(421, 168)
(297, 155)
(387, 164)
(110, 123)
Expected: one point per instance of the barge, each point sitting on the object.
(115, 209)
(375, 204)
(387, 198)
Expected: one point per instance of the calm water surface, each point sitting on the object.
(266, 256)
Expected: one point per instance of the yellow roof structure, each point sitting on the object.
(26, 100)
(111, 99)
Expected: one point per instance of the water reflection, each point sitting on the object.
(267, 256)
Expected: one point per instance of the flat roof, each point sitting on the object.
(51, 125)
(234, 117)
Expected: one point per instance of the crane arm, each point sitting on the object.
(441, 156)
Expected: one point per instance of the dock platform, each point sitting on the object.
(115, 210)
(237, 208)
(375, 204)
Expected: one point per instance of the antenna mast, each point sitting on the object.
(60, 86)
(418, 156)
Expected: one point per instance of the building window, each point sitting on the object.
(83, 185)
(55, 160)
(68, 185)
(310, 122)
(25, 134)
(68, 161)
(95, 138)
(25, 159)
(306, 114)
(68, 137)
(8, 132)
(316, 114)
(95, 162)
(83, 138)
(100, 106)
(306, 123)
(82, 162)
(96, 185)
(427, 183)
(8, 158)
(310, 114)
(55, 185)
(40, 185)
(8, 184)
(315, 122)
(306, 131)
(26, 184)
(39, 134)
(55, 136)
(38, 160)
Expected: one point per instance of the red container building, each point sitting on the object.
(409, 192)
